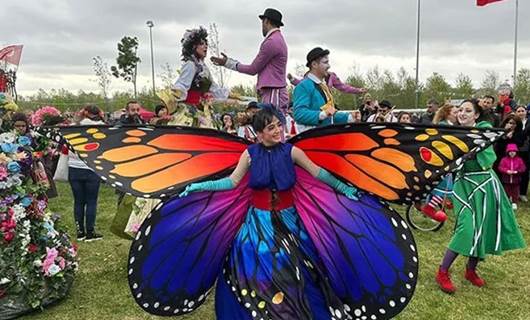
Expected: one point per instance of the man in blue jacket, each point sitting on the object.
(312, 99)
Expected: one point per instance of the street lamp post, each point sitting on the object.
(150, 24)
(417, 100)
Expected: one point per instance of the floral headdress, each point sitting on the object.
(190, 39)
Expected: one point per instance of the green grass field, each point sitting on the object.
(100, 290)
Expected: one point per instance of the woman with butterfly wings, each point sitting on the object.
(281, 243)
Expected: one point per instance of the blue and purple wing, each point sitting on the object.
(367, 249)
(181, 247)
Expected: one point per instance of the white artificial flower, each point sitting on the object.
(54, 269)
(37, 263)
(8, 137)
(20, 212)
(4, 281)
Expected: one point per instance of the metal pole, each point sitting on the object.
(515, 43)
(150, 24)
(417, 101)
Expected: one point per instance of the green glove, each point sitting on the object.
(214, 185)
(327, 178)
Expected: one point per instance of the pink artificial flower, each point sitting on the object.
(51, 254)
(37, 118)
(32, 248)
(135, 227)
(3, 172)
(62, 263)
(73, 251)
(9, 236)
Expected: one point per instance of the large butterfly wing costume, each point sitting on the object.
(328, 257)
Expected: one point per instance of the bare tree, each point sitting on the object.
(491, 81)
(300, 70)
(222, 73)
(101, 69)
(168, 75)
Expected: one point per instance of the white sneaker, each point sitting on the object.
(514, 206)
(523, 198)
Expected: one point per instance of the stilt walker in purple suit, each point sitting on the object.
(270, 64)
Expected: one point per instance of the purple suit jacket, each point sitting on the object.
(270, 64)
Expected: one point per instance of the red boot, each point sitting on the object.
(430, 212)
(444, 281)
(473, 277)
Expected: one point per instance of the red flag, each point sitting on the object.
(481, 3)
(11, 54)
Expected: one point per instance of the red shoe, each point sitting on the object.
(473, 277)
(444, 281)
(430, 212)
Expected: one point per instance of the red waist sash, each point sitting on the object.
(266, 199)
(193, 97)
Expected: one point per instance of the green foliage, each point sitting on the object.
(522, 86)
(490, 83)
(464, 87)
(67, 101)
(243, 90)
(397, 87)
(437, 88)
(127, 60)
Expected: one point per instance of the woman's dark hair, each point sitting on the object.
(191, 39)
(231, 118)
(19, 116)
(262, 119)
(93, 113)
(159, 108)
(404, 113)
(520, 106)
(476, 107)
(518, 124)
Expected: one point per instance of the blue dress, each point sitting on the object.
(266, 254)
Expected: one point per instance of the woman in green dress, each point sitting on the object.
(485, 221)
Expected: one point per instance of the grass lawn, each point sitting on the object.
(100, 290)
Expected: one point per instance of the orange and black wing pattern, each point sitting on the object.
(398, 162)
(154, 162)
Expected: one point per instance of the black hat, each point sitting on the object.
(252, 105)
(315, 54)
(273, 15)
(386, 104)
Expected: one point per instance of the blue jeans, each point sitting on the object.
(85, 187)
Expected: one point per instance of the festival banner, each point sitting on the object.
(11, 54)
(482, 3)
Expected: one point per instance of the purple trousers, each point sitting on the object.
(279, 97)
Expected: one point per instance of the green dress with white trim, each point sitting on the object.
(485, 221)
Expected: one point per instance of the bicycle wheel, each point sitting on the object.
(417, 220)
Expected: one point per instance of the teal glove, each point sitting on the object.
(327, 178)
(213, 185)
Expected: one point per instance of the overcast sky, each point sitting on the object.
(60, 37)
